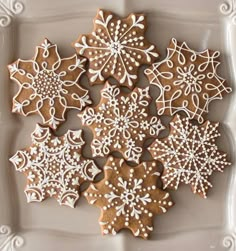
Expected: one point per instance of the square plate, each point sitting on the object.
(194, 223)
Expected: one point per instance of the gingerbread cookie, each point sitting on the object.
(116, 48)
(121, 122)
(128, 197)
(54, 166)
(189, 155)
(48, 84)
(187, 80)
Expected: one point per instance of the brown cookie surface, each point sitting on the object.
(116, 48)
(189, 155)
(48, 84)
(54, 166)
(187, 81)
(128, 197)
(121, 122)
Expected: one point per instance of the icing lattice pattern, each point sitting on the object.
(54, 166)
(189, 155)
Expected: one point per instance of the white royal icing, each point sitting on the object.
(133, 198)
(46, 86)
(121, 122)
(189, 155)
(54, 167)
(189, 83)
(116, 47)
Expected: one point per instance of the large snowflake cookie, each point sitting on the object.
(120, 122)
(48, 84)
(128, 197)
(54, 166)
(189, 155)
(116, 48)
(187, 81)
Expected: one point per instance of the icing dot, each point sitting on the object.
(47, 84)
(105, 231)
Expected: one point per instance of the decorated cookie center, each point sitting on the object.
(47, 84)
(121, 123)
(192, 155)
(116, 47)
(54, 165)
(190, 80)
(192, 83)
(128, 196)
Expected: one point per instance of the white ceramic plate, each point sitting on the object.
(194, 223)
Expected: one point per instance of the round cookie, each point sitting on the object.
(54, 166)
(48, 84)
(128, 197)
(121, 122)
(189, 155)
(116, 48)
(187, 81)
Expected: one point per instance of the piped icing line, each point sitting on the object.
(187, 81)
(116, 47)
(54, 166)
(189, 155)
(121, 122)
(128, 197)
(48, 84)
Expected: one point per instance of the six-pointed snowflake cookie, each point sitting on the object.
(128, 197)
(48, 84)
(187, 81)
(121, 122)
(116, 48)
(54, 166)
(189, 155)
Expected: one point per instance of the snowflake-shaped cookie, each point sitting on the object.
(189, 155)
(54, 166)
(116, 48)
(128, 197)
(48, 84)
(120, 122)
(187, 81)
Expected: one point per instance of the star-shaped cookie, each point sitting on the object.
(187, 81)
(48, 84)
(54, 166)
(121, 122)
(189, 155)
(116, 48)
(128, 197)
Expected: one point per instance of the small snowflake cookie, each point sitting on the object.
(116, 48)
(128, 197)
(54, 166)
(48, 84)
(189, 155)
(121, 122)
(187, 81)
